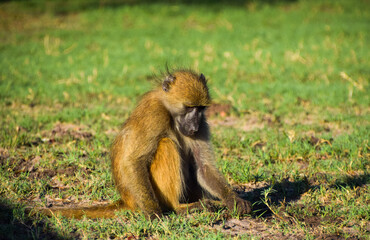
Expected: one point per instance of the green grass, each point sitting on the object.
(296, 142)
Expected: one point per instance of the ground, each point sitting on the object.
(289, 120)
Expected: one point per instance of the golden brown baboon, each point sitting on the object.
(162, 159)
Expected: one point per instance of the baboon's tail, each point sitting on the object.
(104, 211)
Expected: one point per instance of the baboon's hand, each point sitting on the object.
(241, 206)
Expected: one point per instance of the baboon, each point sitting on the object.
(162, 159)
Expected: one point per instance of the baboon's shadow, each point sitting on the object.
(13, 228)
(289, 191)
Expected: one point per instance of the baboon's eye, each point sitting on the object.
(198, 108)
(201, 108)
(189, 108)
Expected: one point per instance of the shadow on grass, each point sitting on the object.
(355, 181)
(63, 7)
(282, 192)
(22, 227)
(289, 191)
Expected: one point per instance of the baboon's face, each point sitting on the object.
(189, 121)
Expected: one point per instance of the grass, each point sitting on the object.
(293, 77)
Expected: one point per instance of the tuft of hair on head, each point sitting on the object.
(167, 82)
(202, 78)
(167, 77)
(163, 76)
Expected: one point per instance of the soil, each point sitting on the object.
(218, 109)
(77, 132)
(255, 227)
(262, 226)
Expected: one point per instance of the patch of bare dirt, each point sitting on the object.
(255, 227)
(219, 109)
(4, 154)
(29, 165)
(252, 122)
(63, 130)
(247, 123)
(32, 167)
(220, 115)
(315, 141)
(245, 188)
(112, 132)
(337, 129)
(269, 226)
(225, 122)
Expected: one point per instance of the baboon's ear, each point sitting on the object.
(202, 78)
(167, 82)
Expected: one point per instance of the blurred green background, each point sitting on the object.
(292, 78)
